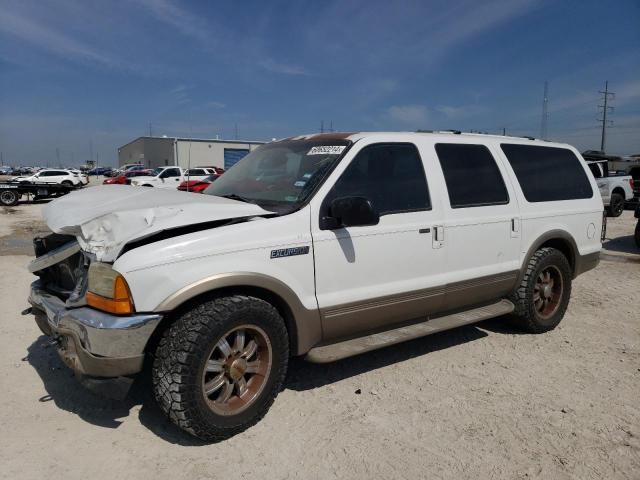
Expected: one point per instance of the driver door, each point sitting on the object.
(368, 277)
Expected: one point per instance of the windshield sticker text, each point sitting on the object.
(327, 150)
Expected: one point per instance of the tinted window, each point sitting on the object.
(595, 169)
(170, 172)
(196, 171)
(390, 175)
(471, 175)
(548, 173)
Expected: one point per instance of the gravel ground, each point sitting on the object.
(477, 402)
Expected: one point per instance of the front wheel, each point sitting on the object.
(616, 207)
(542, 297)
(219, 367)
(67, 183)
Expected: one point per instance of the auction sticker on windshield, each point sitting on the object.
(327, 150)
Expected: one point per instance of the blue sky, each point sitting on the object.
(75, 71)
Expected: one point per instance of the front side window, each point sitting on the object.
(548, 173)
(390, 175)
(170, 172)
(472, 176)
(280, 176)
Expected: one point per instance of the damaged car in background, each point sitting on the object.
(326, 245)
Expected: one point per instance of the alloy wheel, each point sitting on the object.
(237, 370)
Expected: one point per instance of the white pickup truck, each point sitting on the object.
(615, 190)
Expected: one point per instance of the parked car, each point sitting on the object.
(99, 171)
(197, 186)
(125, 178)
(199, 173)
(84, 178)
(6, 171)
(62, 177)
(615, 190)
(161, 177)
(322, 246)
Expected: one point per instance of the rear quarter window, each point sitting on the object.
(547, 174)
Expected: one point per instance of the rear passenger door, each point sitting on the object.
(368, 277)
(481, 234)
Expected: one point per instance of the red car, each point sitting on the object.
(197, 186)
(125, 178)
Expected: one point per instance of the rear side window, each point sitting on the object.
(472, 176)
(548, 174)
(390, 175)
(595, 169)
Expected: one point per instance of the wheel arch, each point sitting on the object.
(303, 325)
(560, 240)
(620, 191)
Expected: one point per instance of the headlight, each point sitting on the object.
(108, 290)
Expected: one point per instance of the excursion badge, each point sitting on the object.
(289, 252)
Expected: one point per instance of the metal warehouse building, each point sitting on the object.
(160, 151)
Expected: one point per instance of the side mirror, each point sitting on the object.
(350, 212)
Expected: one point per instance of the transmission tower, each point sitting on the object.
(605, 109)
(545, 112)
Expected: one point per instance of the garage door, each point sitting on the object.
(232, 156)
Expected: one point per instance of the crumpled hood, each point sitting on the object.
(105, 218)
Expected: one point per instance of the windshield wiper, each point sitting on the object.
(234, 196)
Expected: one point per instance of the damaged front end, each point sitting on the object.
(102, 349)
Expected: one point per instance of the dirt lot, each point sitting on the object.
(477, 402)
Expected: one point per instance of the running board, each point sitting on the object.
(356, 346)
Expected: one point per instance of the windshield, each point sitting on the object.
(280, 176)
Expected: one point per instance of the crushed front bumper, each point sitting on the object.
(93, 343)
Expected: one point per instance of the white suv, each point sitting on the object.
(323, 246)
(61, 177)
(161, 177)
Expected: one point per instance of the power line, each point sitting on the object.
(605, 108)
(545, 112)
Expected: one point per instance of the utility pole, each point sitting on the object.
(91, 150)
(545, 112)
(236, 131)
(58, 157)
(150, 130)
(605, 108)
(321, 126)
(504, 131)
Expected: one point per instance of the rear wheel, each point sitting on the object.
(542, 297)
(9, 198)
(219, 367)
(616, 207)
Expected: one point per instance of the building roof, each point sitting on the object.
(206, 140)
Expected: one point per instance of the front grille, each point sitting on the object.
(66, 279)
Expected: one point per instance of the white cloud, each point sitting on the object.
(214, 104)
(282, 68)
(460, 112)
(179, 18)
(46, 38)
(409, 115)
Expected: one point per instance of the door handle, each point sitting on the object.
(424, 230)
